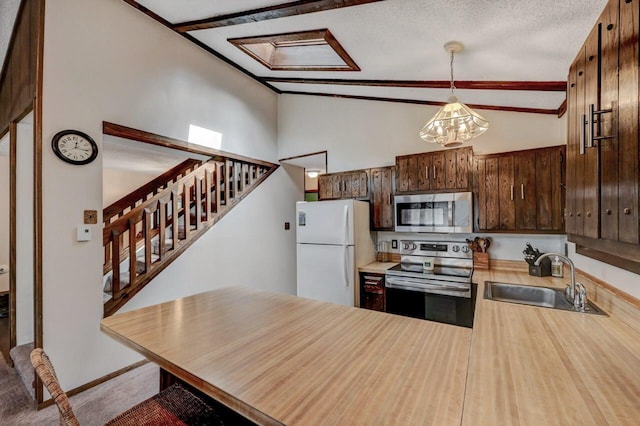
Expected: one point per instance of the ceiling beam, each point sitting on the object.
(264, 13)
(528, 86)
(432, 103)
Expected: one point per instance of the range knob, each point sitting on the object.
(455, 249)
(465, 249)
(409, 246)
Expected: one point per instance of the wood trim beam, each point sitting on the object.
(433, 103)
(562, 109)
(303, 155)
(528, 86)
(12, 233)
(37, 189)
(120, 131)
(282, 10)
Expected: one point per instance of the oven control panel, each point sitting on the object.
(458, 249)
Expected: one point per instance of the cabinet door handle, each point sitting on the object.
(522, 191)
(583, 132)
(390, 200)
(511, 192)
(434, 172)
(590, 128)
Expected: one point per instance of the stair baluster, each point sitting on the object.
(209, 191)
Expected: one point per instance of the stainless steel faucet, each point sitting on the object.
(578, 298)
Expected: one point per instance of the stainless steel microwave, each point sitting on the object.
(451, 212)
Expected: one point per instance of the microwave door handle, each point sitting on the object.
(450, 211)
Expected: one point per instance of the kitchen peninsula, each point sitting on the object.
(278, 359)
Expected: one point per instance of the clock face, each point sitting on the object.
(74, 147)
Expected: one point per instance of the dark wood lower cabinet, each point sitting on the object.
(372, 291)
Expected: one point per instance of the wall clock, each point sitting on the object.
(74, 147)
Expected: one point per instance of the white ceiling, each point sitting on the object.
(516, 40)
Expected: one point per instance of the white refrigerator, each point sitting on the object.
(333, 240)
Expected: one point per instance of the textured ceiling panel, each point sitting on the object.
(191, 10)
(403, 39)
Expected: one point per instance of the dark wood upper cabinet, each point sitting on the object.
(335, 186)
(603, 150)
(434, 171)
(520, 191)
(382, 198)
(628, 202)
(506, 202)
(525, 191)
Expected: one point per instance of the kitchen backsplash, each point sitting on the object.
(503, 246)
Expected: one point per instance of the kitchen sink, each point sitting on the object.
(544, 297)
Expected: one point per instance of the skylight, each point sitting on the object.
(316, 50)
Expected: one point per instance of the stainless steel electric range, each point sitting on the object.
(433, 282)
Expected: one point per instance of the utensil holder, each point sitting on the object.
(542, 270)
(481, 261)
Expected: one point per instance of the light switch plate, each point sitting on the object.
(83, 233)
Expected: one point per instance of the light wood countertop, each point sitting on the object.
(533, 366)
(377, 267)
(281, 359)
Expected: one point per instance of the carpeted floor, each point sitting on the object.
(92, 407)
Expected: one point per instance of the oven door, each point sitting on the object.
(433, 307)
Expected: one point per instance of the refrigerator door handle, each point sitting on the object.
(346, 241)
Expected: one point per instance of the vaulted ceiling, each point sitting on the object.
(516, 58)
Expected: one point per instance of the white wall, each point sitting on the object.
(8, 12)
(117, 183)
(503, 246)
(359, 134)
(4, 210)
(106, 61)
(252, 252)
(24, 233)
(624, 280)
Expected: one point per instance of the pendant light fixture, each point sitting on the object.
(455, 122)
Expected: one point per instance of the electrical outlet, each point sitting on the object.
(90, 217)
(287, 226)
(394, 244)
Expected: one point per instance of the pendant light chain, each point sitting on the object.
(454, 123)
(453, 87)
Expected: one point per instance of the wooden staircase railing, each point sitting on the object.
(158, 229)
(149, 189)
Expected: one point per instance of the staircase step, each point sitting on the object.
(21, 357)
